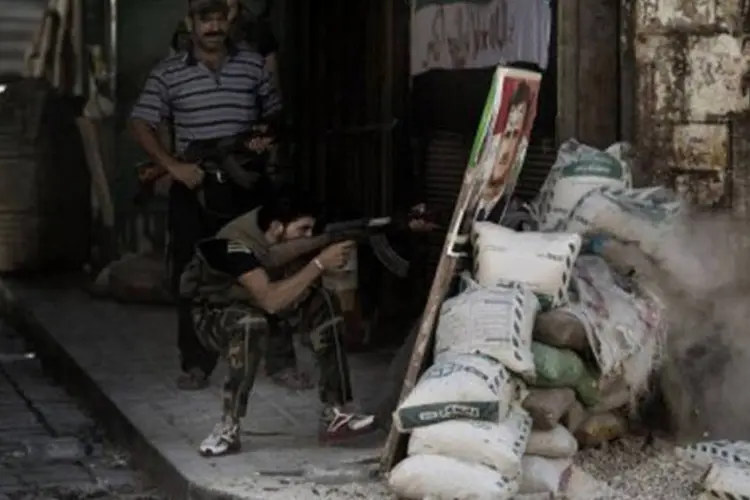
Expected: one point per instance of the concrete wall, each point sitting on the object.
(691, 88)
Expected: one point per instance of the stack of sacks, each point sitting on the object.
(546, 349)
(595, 343)
(578, 170)
(468, 428)
(598, 338)
(590, 191)
(724, 465)
(484, 340)
(542, 263)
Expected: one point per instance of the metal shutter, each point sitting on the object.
(540, 157)
(445, 161)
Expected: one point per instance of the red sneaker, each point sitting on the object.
(340, 424)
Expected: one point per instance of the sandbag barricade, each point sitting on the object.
(558, 342)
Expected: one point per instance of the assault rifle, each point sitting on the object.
(235, 179)
(374, 231)
(232, 171)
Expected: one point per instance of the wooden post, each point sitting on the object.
(395, 443)
(479, 169)
(588, 71)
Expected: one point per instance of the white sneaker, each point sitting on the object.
(223, 440)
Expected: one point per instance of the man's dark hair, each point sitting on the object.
(286, 205)
(521, 94)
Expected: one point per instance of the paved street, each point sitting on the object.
(123, 360)
(49, 448)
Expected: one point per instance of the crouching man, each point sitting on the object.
(238, 300)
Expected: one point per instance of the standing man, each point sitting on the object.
(280, 362)
(216, 88)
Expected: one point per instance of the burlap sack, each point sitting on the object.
(575, 417)
(559, 328)
(601, 428)
(615, 395)
(547, 406)
(139, 278)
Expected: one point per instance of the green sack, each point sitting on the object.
(556, 367)
(587, 387)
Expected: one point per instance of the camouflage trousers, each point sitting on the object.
(240, 332)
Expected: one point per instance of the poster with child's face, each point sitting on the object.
(511, 134)
(504, 142)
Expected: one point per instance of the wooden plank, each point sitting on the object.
(488, 145)
(396, 442)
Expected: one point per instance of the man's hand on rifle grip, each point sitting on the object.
(188, 174)
(418, 221)
(261, 139)
(336, 256)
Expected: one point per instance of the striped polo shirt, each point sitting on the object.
(204, 104)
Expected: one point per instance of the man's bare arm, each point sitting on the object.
(147, 137)
(151, 109)
(283, 253)
(277, 295)
(272, 69)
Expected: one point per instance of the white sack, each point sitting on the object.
(722, 452)
(555, 443)
(495, 445)
(467, 386)
(496, 322)
(618, 323)
(577, 170)
(540, 261)
(441, 478)
(545, 475)
(644, 216)
(728, 482)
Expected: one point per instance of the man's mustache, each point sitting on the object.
(215, 33)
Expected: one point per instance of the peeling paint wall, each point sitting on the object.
(692, 72)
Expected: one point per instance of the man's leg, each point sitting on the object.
(237, 332)
(323, 319)
(281, 358)
(186, 229)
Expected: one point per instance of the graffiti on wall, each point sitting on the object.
(449, 34)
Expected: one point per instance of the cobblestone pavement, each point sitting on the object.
(49, 448)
